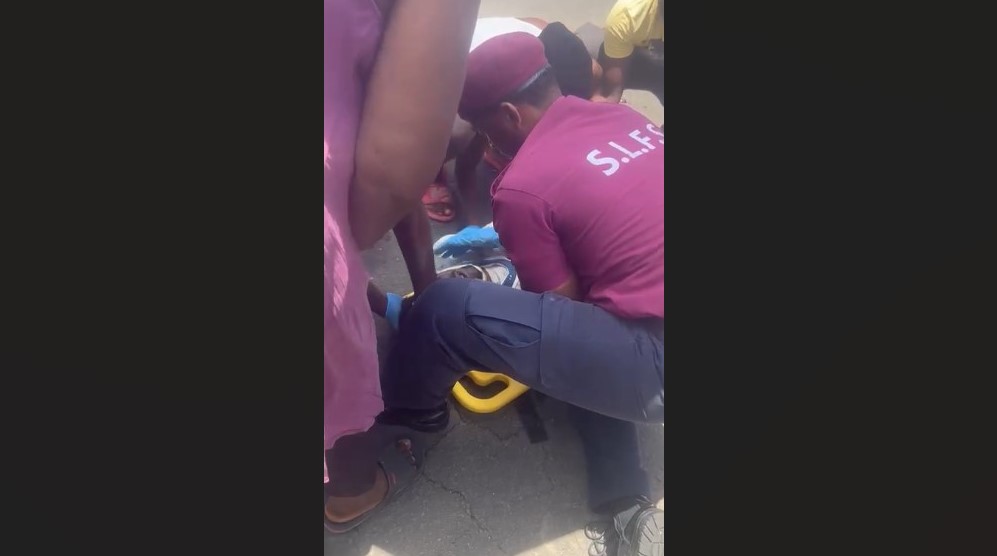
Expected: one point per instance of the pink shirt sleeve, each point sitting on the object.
(525, 227)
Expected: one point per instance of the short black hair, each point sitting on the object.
(570, 59)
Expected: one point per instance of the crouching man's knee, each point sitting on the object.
(442, 303)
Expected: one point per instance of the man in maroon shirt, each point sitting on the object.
(579, 210)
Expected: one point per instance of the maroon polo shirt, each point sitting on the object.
(585, 196)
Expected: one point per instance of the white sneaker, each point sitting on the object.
(496, 270)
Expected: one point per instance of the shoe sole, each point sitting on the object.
(650, 539)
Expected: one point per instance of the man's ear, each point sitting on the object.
(510, 113)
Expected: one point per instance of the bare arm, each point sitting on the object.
(377, 300)
(416, 243)
(614, 72)
(461, 136)
(407, 118)
(614, 55)
(467, 180)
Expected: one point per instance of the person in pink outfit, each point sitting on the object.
(386, 131)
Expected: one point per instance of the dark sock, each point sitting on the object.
(620, 504)
(423, 420)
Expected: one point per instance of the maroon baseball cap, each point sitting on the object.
(499, 67)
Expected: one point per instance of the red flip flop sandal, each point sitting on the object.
(438, 203)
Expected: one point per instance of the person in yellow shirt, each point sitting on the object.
(631, 52)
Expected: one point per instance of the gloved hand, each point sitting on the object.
(394, 311)
(471, 237)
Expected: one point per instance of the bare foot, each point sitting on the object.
(340, 509)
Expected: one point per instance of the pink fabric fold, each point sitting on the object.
(352, 388)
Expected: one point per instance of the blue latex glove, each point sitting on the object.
(394, 310)
(471, 237)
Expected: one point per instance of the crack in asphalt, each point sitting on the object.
(468, 420)
(466, 506)
(499, 437)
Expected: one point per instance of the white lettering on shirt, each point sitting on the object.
(654, 130)
(646, 143)
(613, 164)
(632, 155)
